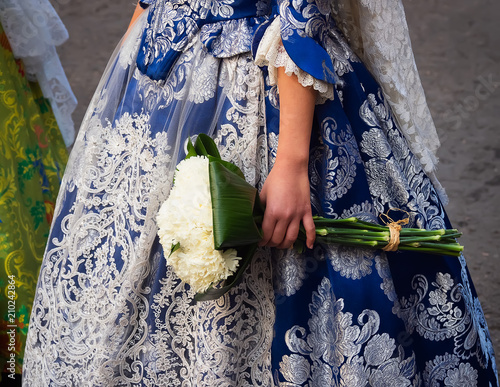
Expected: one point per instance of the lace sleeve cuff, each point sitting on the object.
(272, 54)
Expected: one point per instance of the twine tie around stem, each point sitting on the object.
(394, 228)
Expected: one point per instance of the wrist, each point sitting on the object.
(293, 144)
(295, 163)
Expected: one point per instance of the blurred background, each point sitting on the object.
(457, 48)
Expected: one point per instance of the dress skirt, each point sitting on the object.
(109, 311)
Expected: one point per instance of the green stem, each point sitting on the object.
(349, 222)
(348, 241)
(354, 232)
(455, 247)
(432, 232)
(430, 251)
(358, 233)
(419, 239)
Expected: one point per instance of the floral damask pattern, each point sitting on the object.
(441, 320)
(289, 270)
(109, 311)
(350, 262)
(337, 352)
(448, 369)
(194, 338)
(445, 310)
(341, 169)
(394, 174)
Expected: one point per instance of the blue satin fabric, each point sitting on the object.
(340, 135)
(344, 316)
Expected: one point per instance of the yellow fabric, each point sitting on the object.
(32, 159)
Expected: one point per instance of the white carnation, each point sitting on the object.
(186, 218)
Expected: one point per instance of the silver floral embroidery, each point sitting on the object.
(204, 79)
(336, 352)
(477, 341)
(243, 140)
(448, 369)
(375, 144)
(289, 271)
(316, 22)
(442, 320)
(447, 311)
(395, 176)
(227, 38)
(383, 270)
(173, 25)
(351, 262)
(463, 376)
(91, 290)
(193, 338)
(341, 169)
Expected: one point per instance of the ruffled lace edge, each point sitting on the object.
(272, 54)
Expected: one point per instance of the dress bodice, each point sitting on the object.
(225, 27)
(231, 27)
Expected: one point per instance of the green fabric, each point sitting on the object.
(32, 159)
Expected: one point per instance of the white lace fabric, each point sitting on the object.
(378, 33)
(34, 29)
(108, 304)
(272, 53)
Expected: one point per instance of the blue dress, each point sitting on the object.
(109, 311)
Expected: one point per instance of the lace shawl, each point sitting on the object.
(34, 30)
(378, 33)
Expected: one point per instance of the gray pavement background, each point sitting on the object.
(457, 47)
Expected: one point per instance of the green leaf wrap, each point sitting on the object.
(191, 151)
(234, 204)
(205, 146)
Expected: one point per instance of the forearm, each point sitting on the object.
(296, 117)
(286, 192)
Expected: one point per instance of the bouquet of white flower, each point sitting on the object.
(185, 221)
(210, 225)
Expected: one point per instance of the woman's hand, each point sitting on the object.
(286, 191)
(286, 194)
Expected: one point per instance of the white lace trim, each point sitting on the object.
(272, 54)
(34, 29)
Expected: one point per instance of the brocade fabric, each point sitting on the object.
(109, 311)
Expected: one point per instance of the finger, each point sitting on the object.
(279, 233)
(291, 235)
(310, 228)
(268, 224)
